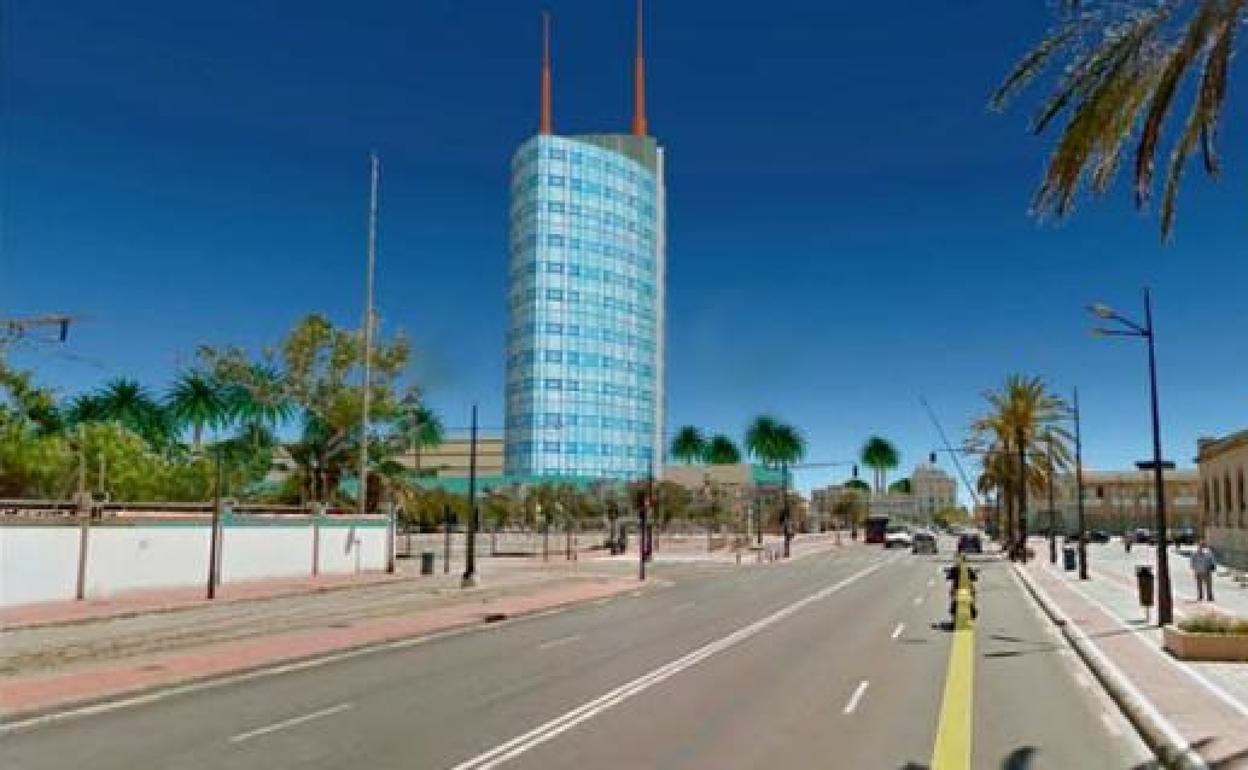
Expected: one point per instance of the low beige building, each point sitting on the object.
(1119, 501)
(1223, 464)
(450, 459)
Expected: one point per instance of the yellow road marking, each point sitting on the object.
(953, 734)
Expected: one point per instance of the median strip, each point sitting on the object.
(953, 734)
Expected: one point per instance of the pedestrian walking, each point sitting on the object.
(1203, 565)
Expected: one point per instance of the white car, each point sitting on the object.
(898, 537)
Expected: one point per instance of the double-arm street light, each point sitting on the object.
(1128, 328)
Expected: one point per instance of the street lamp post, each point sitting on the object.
(470, 557)
(1128, 328)
(1083, 537)
(1048, 442)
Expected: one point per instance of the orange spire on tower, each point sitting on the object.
(545, 123)
(640, 127)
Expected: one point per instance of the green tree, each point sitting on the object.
(721, 450)
(198, 402)
(689, 445)
(900, 487)
(858, 484)
(778, 445)
(417, 427)
(1126, 67)
(880, 456)
(1023, 416)
(129, 404)
(313, 378)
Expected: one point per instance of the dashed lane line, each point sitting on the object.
(292, 722)
(856, 698)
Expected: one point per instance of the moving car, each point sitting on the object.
(924, 542)
(899, 537)
(970, 543)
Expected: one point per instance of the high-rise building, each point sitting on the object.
(587, 265)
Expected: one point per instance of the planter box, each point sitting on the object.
(1215, 647)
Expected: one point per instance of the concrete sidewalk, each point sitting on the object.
(1207, 704)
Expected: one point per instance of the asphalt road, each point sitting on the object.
(835, 660)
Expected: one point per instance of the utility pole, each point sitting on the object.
(1022, 494)
(362, 507)
(1165, 611)
(1083, 537)
(216, 528)
(470, 557)
(1048, 441)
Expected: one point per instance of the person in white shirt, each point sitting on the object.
(1203, 565)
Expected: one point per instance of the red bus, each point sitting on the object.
(874, 528)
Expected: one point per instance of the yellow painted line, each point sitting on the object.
(953, 733)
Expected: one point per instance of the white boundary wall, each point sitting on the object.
(41, 562)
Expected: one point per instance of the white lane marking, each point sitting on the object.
(854, 699)
(1195, 675)
(918, 600)
(897, 631)
(558, 642)
(545, 732)
(289, 723)
(683, 607)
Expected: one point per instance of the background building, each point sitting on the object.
(933, 490)
(1118, 501)
(585, 336)
(1223, 466)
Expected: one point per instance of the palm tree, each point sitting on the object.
(689, 445)
(880, 456)
(1024, 421)
(197, 401)
(417, 427)
(777, 444)
(1125, 64)
(129, 404)
(721, 450)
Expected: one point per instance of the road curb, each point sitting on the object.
(18, 720)
(1160, 736)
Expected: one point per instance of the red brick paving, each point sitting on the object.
(27, 694)
(1213, 727)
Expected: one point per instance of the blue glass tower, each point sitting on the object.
(585, 333)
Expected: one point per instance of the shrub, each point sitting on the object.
(1214, 623)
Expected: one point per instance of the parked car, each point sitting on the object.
(1143, 535)
(970, 543)
(1183, 536)
(1098, 536)
(924, 542)
(898, 537)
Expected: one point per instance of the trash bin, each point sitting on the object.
(426, 562)
(1144, 582)
(1068, 558)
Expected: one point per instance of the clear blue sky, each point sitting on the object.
(848, 223)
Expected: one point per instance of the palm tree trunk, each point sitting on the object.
(198, 434)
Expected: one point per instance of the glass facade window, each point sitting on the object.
(585, 334)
